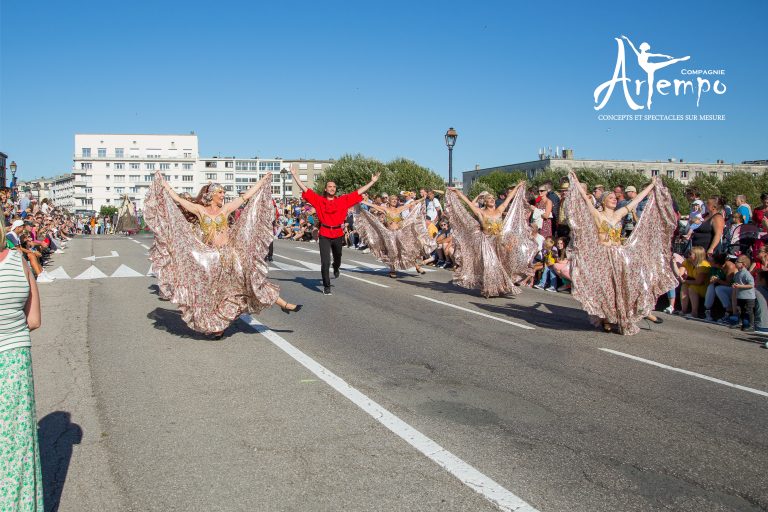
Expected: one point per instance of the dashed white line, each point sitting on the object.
(476, 312)
(145, 246)
(364, 280)
(687, 372)
(501, 497)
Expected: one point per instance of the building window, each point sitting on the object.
(670, 174)
(102, 152)
(186, 167)
(134, 166)
(188, 190)
(269, 166)
(119, 190)
(108, 201)
(107, 176)
(187, 155)
(149, 167)
(211, 176)
(165, 167)
(211, 165)
(289, 189)
(229, 176)
(148, 177)
(654, 172)
(228, 165)
(86, 152)
(275, 190)
(317, 176)
(303, 177)
(119, 166)
(302, 167)
(134, 178)
(713, 174)
(317, 167)
(726, 174)
(684, 174)
(699, 174)
(119, 178)
(88, 190)
(275, 178)
(228, 188)
(86, 165)
(187, 178)
(119, 152)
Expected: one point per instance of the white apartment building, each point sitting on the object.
(107, 166)
(63, 191)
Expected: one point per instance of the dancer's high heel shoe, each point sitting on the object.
(606, 327)
(295, 309)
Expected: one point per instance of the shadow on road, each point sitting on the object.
(57, 435)
(170, 321)
(316, 284)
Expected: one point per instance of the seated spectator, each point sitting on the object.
(548, 279)
(694, 219)
(445, 247)
(720, 280)
(562, 265)
(694, 287)
(761, 302)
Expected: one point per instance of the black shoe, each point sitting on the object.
(335, 273)
(295, 309)
(327, 290)
(269, 259)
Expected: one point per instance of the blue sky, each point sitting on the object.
(319, 79)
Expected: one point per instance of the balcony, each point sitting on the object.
(112, 157)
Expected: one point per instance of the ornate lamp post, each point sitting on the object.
(450, 140)
(284, 174)
(13, 181)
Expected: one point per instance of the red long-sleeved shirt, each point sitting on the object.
(331, 212)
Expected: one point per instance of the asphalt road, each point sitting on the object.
(139, 413)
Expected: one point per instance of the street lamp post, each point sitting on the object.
(13, 181)
(450, 140)
(284, 174)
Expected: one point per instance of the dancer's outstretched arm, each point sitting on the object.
(187, 205)
(374, 178)
(510, 194)
(239, 201)
(374, 206)
(297, 181)
(630, 207)
(409, 205)
(472, 205)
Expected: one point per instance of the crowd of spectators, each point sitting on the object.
(37, 229)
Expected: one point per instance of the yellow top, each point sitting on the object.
(492, 226)
(389, 219)
(212, 226)
(610, 233)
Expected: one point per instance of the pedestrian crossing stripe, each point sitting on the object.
(92, 273)
(59, 273)
(125, 271)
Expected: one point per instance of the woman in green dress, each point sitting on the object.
(21, 484)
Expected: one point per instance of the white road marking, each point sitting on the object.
(315, 251)
(504, 499)
(370, 265)
(285, 266)
(145, 246)
(365, 280)
(92, 273)
(94, 258)
(150, 272)
(687, 372)
(125, 271)
(310, 266)
(477, 313)
(59, 273)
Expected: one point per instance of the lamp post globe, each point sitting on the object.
(450, 140)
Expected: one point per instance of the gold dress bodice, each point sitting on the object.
(212, 226)
(392, 219)
(610, 234)
(492, 226)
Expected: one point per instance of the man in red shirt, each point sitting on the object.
(332, 212)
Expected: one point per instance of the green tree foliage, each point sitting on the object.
(499, 181)
(108, 210)
(411, 176)
(351, 172)
(677, 191)
(706, 185)
(740, 183)
(480, 186)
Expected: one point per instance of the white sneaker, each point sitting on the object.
(551, 289)
(538, 287)
(365, 251)
(669, 310)
(44, 278)
(59, 251)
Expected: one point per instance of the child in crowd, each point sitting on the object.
(694, 218)
(744, 285)
(548, 279)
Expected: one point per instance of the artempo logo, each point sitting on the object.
(649, 85)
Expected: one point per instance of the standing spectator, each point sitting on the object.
(24, 203)
(743, 208)
(710, 234)
(554, 197)
(597, 193)
(563, 229)
(544, 204)
(21, 485)
(744, 284)
(631, 219)
(432, 205)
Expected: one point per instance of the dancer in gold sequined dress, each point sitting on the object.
(492, 252)
(214, 272)
(618, 280)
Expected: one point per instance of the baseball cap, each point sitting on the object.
(16, 224)
(698, 202)
(630, 189)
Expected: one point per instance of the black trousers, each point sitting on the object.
(746, 309)
(328, 246)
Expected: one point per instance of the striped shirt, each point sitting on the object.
(14, 291)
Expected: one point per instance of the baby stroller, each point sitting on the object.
(740, 239)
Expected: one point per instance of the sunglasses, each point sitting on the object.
(542, 190)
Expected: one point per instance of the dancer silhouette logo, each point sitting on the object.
(639, 93)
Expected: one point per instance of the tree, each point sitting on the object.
(499, 181)
(479, 186)
(411, 176)
(108, 211)
(351, 172)
(677, 191)
(705, 185)
(740, 183)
